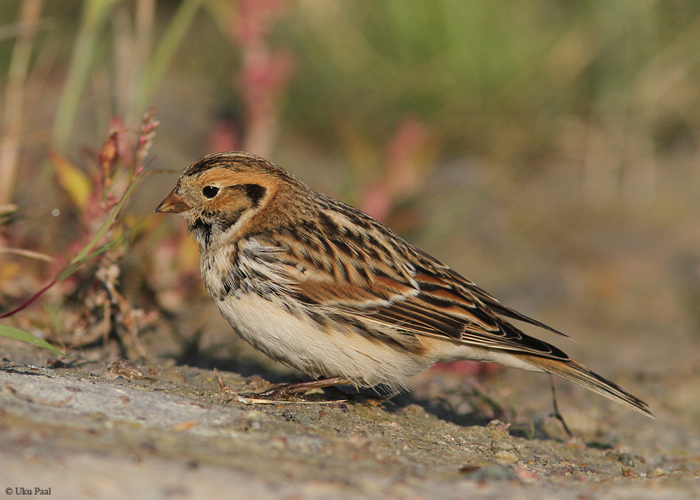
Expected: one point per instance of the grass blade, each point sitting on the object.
(17, 334)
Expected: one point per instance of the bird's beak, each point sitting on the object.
(173, 204)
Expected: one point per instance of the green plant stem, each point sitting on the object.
(94, 17)
(165, 51)
(110, 219)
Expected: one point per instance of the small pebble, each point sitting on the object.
(125, 369)
(506, 457)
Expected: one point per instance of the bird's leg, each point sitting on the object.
(284, 391)
(557, 414)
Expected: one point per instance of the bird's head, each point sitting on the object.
(220, 195)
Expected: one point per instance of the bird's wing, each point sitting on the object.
(430, 306)
(412, 297)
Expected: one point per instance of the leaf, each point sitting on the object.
(17, 334)
(8, 213)
(72, 180)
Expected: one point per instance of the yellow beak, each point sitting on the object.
(173, 204)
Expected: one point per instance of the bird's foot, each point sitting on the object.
(289, 393)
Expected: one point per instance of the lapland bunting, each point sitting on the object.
(325, 288)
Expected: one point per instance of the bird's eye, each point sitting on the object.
(210, 191)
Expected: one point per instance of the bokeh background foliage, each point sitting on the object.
(547, 149)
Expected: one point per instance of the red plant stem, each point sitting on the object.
(31, 299)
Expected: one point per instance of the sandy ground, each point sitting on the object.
(94, 429)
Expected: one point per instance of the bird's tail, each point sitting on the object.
(576, 372)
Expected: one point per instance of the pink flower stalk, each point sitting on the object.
(401, 173)
(265, 71)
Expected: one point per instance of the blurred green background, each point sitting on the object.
(546, 149)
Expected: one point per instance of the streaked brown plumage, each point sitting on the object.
(326, 289)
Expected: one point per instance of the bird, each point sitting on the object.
(325, 288)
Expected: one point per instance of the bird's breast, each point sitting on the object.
(326, 351)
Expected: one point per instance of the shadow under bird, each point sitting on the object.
(327, 289)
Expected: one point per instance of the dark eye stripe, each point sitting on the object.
(255, 192)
